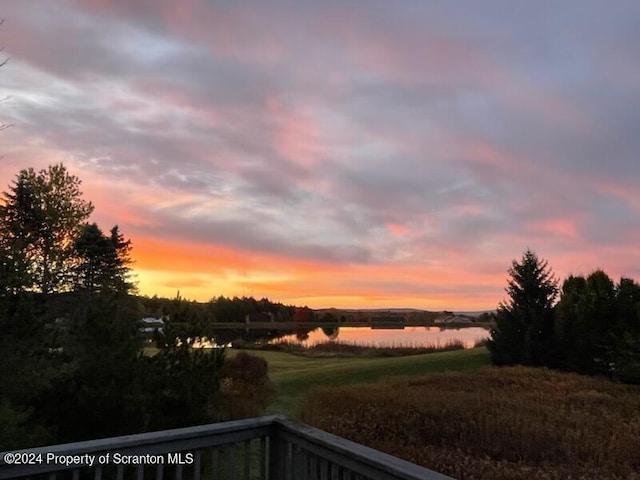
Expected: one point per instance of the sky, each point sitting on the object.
(360, 154)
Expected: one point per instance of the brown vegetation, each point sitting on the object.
(244, 387)
(499, 423)
(342, 349)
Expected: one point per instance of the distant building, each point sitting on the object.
(148, 326)
(453, 319)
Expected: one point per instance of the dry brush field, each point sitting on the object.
(493, 423)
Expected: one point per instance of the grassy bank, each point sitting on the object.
(499, 423)
(363, 349)
(292, 375)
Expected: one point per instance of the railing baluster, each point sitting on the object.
(335, 472)
(119, 472)
(196, 465)
(76, 474)
(299, 461)
(215, 463)
(313, 467)
(247, 459)
(324, 469)
(290, 462)
(263, 458)
(97, 475)
(230, 459)
(159, 471)
(295, 462)
(277, 458)
(52, 476)
(178, 475)
(140, 472)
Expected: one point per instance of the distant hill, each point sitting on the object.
(474, 313)
(373, 310)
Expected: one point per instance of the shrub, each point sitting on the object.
(244, 388)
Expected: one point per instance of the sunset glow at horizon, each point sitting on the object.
(337, 154)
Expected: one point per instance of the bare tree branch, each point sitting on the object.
(4, 126)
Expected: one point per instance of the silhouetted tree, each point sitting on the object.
(21, 218)
(524, 329)
(29, 364)
(39, 221)
(184, 379)
(570, 324)
(597, 325)
(101, 392)
(120, 261)
(102, 261)
(626, 357)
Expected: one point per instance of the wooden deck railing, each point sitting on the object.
(264, 448)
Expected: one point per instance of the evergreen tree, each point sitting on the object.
(120, 261)
(626, 357)
(100, 393)
(39, 221)
(597, 326)
(21, 219)
(525, 324)
(102, 261)
(29, 365)
(571, 331)
(92, 250)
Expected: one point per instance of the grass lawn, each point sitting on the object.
(292, 375)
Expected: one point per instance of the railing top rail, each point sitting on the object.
(342, 451)
(153, 438)
(393, 466)
(166, 441)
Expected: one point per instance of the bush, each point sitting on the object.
(244, 388)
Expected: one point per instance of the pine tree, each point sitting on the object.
(102, 262)
(40, 219)
(120, 261)
(524, 330)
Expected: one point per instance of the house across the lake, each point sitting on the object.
(452, 318)
(148, 326)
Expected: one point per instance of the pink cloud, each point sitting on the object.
(630, 195)
(398, 230)
(559, 227)
(470, 210)
(296, 134)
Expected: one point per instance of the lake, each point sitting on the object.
(395, 337)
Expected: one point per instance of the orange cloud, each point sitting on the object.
(203, 271)
(398, 230)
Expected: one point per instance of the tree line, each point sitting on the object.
(47, 245)
(70, 357)
(588, 325)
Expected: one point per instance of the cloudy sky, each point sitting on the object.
(334, 153)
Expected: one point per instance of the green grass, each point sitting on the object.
(292, 376)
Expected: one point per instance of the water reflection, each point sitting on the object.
(331, 332)
(407, 337)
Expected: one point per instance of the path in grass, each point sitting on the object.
(292, 375)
